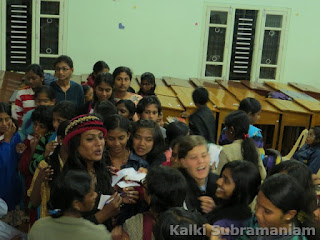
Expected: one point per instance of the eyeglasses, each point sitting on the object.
(61, 69)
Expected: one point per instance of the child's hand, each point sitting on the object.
(10, 131)
(20, 148)
(34, 142)
(45, 174)
(207, 204)
(130, 195)
(50, 148)
(142, 170)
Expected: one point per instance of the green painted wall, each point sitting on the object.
(161, 36)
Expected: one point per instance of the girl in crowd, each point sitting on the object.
(242, 147)
(40, 117)
(43, 96)
(98, 67)
(310, 152)
(238, 185)
(195, 161)
(253, 109)
(118, 153)
(122, 79)
(40, 152)
(303, 175)
(88, 93)
(47, 172)
(148, 84)
(164, 188)
(72, 195)
(178, 217)
(25, 100)
(280, 208)
(10, 190)
(64, 88)
(84, 138)
(103, 85)
(126, 109)
(147, 142)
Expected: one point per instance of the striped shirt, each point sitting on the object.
(24, 103)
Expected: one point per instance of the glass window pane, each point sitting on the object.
(213, 70)
(268, 73)
(270, 48)
(51, 8)
(218, 17)
(216, 41)
(47, 63)
(274, 21)
(49, 35)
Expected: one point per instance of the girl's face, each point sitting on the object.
(103, 91)
(89, 200)
(56, 120)
(225, 184)
(5, 121)
(150, 112)
(122, 82)
(146, 86)
(89, 95)
(43, 100)
(143, 141)
(311, 137)
(254, 117)
(39, 129)
(33, 80)
(63, 71)
(91, 145)
(268, 215)
(117, 140)
(123, 111)
(197, 163)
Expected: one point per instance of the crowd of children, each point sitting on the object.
(65, 144)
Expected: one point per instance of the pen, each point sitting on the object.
(111, 199)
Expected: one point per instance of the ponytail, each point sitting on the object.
(249, 151)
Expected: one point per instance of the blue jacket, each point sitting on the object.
(310, 156)
(10, 190)
(73, 94)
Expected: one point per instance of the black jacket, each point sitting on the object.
(194, 192)
(202, 122)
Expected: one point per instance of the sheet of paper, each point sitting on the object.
(120, 175)
(136, 176)
(124, 184)
(103, 200)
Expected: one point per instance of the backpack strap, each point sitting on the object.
(147, 226)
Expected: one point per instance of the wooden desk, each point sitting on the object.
(171, 106)
(177, 82)
(269, 114)
(292, 115)
(280, 86)
(303, 99)
(199, 82)
(259, 88)
(164, 90)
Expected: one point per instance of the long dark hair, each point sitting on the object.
(240, 122)
(53, 160)
(247, 180)
(76, 162)
(73, 185)
(287, 194)
(303, 175)
(151, 79)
